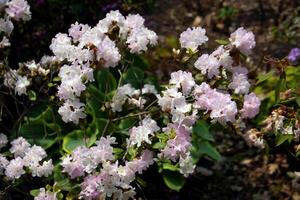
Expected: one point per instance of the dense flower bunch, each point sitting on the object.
(24, 156)
(105, 164)
(14, 10)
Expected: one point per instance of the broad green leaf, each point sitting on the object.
(201, 130)
(105, 81)
(207, 149)
(73, 140)
(281, 138)
(173, 179)
(34, 192)
(134, 76)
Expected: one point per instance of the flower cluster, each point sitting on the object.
(25, 156)
(14, 10)
(85, 47)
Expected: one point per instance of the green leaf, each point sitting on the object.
(158, 145)
(34, 192)
(134, 76)
(222, 42)
(31, 95)
(173, 179)
(73, 140)
(105, 80)
(207, 149)
(263, 77)
(298, 101)
(168, 166)
(281, 138)
(201, 130)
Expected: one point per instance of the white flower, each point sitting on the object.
(251, 106)
(14, 169)
(77, 30)
(149, 89)
(223, 56)
(72, 111)
(183, 80)
(121, 96)
(3, 140)
(139, 39)
(141, 133)
(45, 195)
(6, 26)
(243, 40)
(208, 64)
(166, 100)
(4, 42)
(21, 85)
(18, 10)
(240, 83)
(108, 51)
(192, 38)
(3, 163)
(45, 169)
(34, 155)
(186, 165)
(19, 147)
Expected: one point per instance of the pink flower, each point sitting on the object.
(251, 106)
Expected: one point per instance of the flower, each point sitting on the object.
(208, 64)
(251, 106)
(192, 38)
(240, 83)
(186, 165)
(14, 169)
(294, 55)
(19, 147)
(141, 133)
(183, 80)
(18, 10)
(3, 163)
(243, 40)
(3, 140)
(108, 51)
(45, 195)
(21, 85)
(72, 111)
(6, 26)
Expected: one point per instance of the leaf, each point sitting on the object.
(201, 130)
(207, 149)
(263, 77)
(298, 101)
(168, 166)
(281, 138)
(34, 192)
(134, 76)
(105, 80)
(73, 140)
(31, 95)
(222, 42)
(174, 180)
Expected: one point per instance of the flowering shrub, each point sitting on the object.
(104, 120)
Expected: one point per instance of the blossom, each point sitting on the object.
(251, 106)
(186, 165)
(14, 169)
(34, 155)
(179, 145)
(222, 108)
(3, 140)
(72, 111)
(208, 64)
(121, 96)
(138, 40)
(243, 40)
(45, 169)
(183, 80)
(141, 133)
(3, 163)
(108, 51)
(149, 89)
(294, 55)
(19, 147)
(6, 26)
(240, 83)
(21, 85)
(223, 57)
(192, 38)
(18, 10)
(77, 30)
(45, 195)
